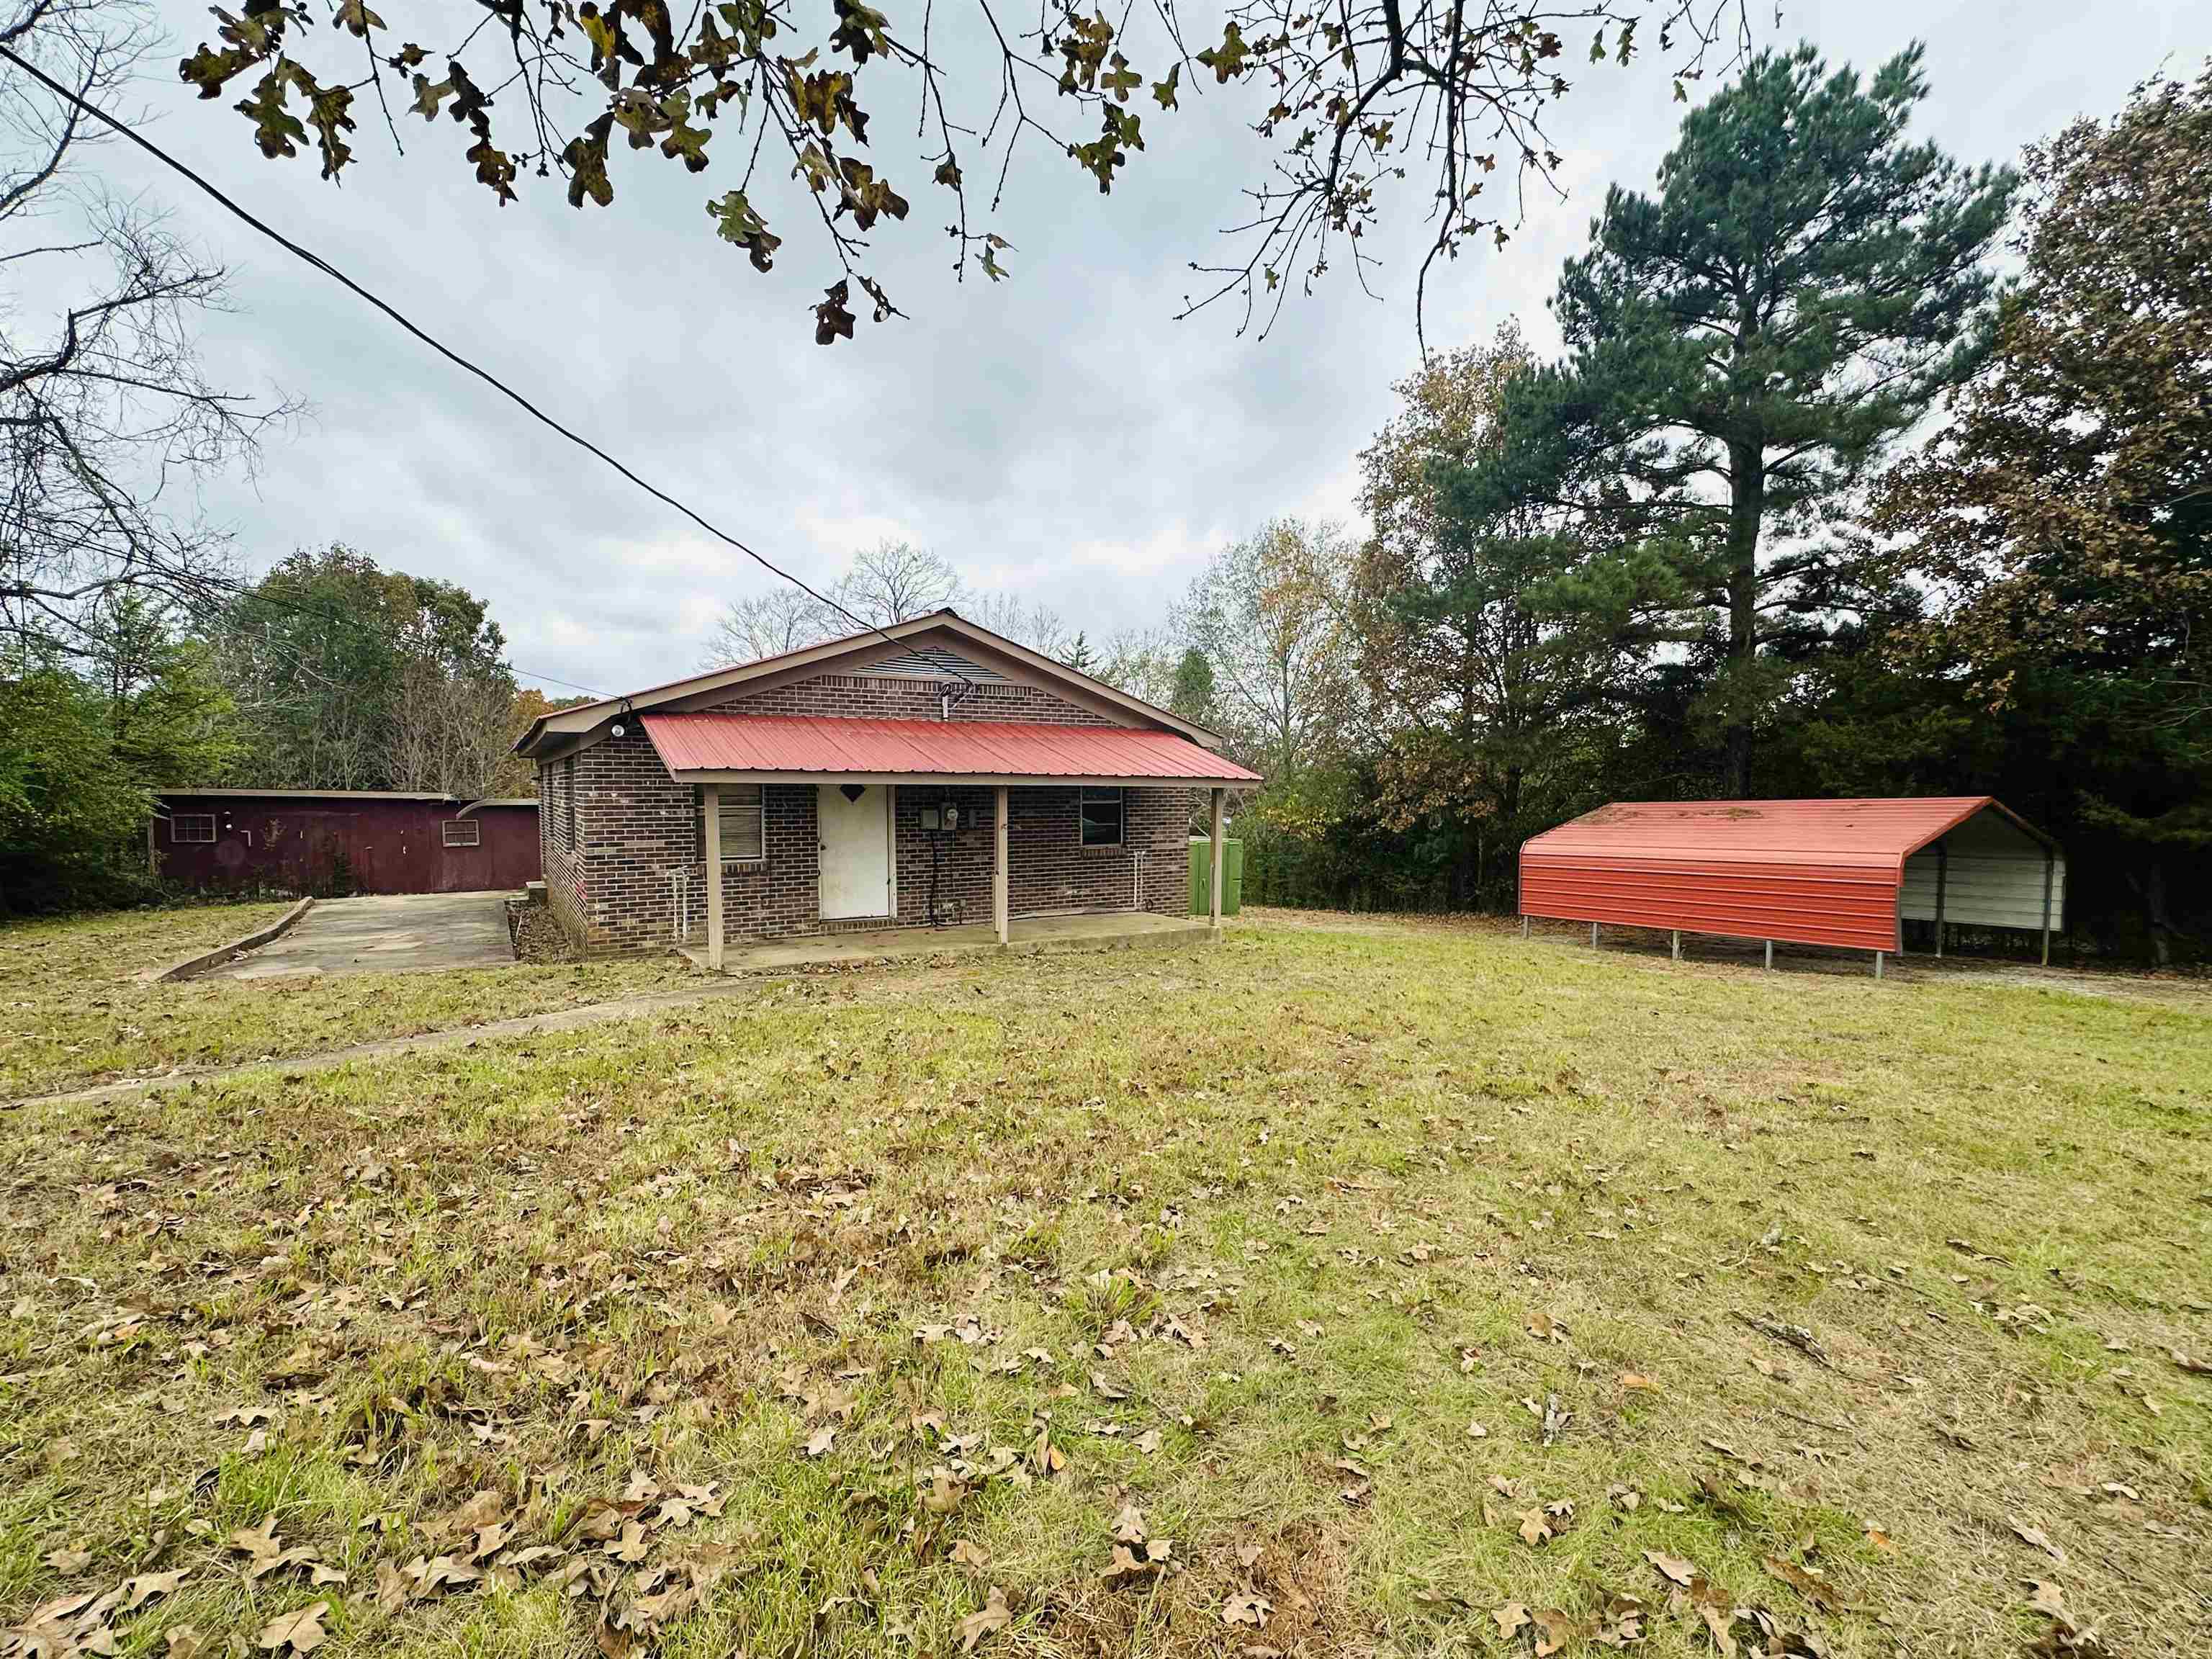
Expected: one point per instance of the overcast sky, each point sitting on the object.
(1059, 434)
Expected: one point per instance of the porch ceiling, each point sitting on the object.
(792, 748)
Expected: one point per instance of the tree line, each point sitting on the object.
(1859, 471)
(326, 673)
(1815, 504)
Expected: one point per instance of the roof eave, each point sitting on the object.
(582, 719)
(961, 779)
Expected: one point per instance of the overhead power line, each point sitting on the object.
(307, 255)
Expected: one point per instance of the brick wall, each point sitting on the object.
(871, 697)
(635, 879)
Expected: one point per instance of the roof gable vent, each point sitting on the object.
(929, 663)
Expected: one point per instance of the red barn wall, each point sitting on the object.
(328, 844)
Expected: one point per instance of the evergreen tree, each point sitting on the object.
(1743, 346)
(2066, 512)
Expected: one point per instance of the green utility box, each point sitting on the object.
(1202, 876)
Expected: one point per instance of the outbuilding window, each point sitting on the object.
(192, 826)
(461, 832)
(1102, 814)
(742, 838)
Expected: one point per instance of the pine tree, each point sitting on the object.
(1745, 346)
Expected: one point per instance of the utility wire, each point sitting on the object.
(435, 344)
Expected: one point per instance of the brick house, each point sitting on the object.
(931, 772)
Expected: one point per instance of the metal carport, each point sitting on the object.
(1836, 873)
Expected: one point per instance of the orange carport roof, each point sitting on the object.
(794, 746)
(1815, 871)
(1876, 832)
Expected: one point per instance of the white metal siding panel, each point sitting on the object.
(1993, 877)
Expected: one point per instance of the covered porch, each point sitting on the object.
(1097, 930)
(851, 833)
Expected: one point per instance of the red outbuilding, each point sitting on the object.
(329, 842)
(1837, 872)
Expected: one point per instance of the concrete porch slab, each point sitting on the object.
(1105, 930)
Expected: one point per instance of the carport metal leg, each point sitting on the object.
(1524, 927)
(1877, 964)
(1593, 936)
(1770, 955)
(2050, 864)
(1942, 880)
(1678, 944)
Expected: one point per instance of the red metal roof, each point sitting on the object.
(985, 749)
(1812, 871)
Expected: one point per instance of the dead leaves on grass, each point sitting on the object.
(993, 1615)
(300, 1631)
(1690, 1593)
(81, 1623)
(1137, 1555)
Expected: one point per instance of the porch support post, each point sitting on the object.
(1001, 903)
(1220, 829)
(1677, 944)
(714, 876)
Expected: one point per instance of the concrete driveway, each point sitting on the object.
(383, 935)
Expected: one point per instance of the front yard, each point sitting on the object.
(72, 1012)
(1402, 1291)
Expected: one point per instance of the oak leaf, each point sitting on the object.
(301, 1629)
(993, 1615)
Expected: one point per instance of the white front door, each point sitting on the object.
(855, 831)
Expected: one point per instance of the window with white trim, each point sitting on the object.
(743, 835)
(1101, 811)
(461, 832)
(191, 827)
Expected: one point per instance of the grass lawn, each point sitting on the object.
(72, 1013)
(1395, 1292)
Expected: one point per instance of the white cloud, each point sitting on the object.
(1059, 433)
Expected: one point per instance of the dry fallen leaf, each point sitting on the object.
(1534, 1529)
(136, 1592)
(299, 1630)
(968, 1553)
(67, 1562)
(1558, 1630)
(1673, 1567)
(994, 1615)
(2049, 1597)
(1810, 1585)
(1247, 1607)
(185, 1641)
(2037, 1537)
(1512, 1617)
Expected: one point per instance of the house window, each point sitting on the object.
(192, 826)
(461, 832)
(1101, 811)
(742, 837)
